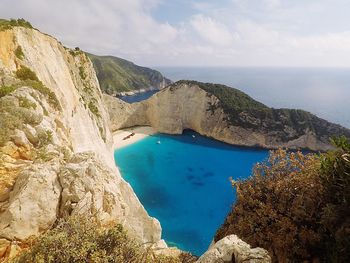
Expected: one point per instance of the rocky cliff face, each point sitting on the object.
(56, 155)
(235, 118)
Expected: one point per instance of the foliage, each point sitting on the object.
(26, 103)
(25, 73)
(117, 75)
(84, 240)
(335, 176)
(13, 117)
(29, 78)
(50, 95)
(8, 24)
(296, 206)
(93, 108)
(5, 90)
(230, 98)
(243, 111)
(82, 73)
(19, 53)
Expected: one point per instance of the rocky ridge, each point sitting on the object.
(224, 114)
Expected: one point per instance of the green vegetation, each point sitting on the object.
(19, 53)
(82, 73)
(93, 108)
(296, 206)
(25, 73)
(117, 75)
(84, 240)
(5, 90)
(26, 103)
(29, 78)
(8, 24)
(245, 112)
(13, 117)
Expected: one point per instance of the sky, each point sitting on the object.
(240, 33)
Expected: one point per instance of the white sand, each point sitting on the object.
(140, 133)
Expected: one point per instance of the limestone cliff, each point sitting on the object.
(56, 155)
(225, 114)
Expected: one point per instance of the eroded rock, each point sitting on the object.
(233, 249)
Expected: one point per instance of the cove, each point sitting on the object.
(184, 183)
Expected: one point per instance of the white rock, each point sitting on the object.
(233, 249)
(20, 139)
(33, 203)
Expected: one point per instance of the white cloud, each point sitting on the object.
(212, 31)
(242, 33)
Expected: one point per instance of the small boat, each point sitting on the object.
(158, 142)
(193, 136)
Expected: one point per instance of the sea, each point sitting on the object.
(183, 181)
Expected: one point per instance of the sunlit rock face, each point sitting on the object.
(56, 157)
(185, 105)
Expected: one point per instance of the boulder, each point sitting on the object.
(233, 249)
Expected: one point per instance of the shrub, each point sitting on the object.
(5, 90)
(29, 78)
(13, 117)
(335, 219)
(296, 206)
(19, 53)
(93, 108)
(50, 95)
(82, 73)
(26, 103)
(83, 240)
(25, 73)
(8, 24)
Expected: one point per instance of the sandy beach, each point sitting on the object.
(124, 137)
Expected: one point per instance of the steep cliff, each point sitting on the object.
(56, 155)
(118, 75)
(225, 114)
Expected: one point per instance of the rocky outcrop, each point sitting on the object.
(56, 149)
(233, 249)
(188, 105)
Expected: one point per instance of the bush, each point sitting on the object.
(29, 78)
(25, 73)
(296, 206)
(26, 103)
(82, 73)
(5, 90)
(8, 24)
(19, 53)
(93, 108)
(13, 117)
(335, 176)
(83, 240)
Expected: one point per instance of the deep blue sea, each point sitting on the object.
(138, 97)
(184, 183)
(322, 91)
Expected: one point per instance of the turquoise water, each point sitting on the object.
(184, 183)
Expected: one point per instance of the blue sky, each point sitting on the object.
(289, 33)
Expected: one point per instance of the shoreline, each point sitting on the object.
(139, 133)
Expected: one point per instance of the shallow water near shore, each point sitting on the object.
(184, 183)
